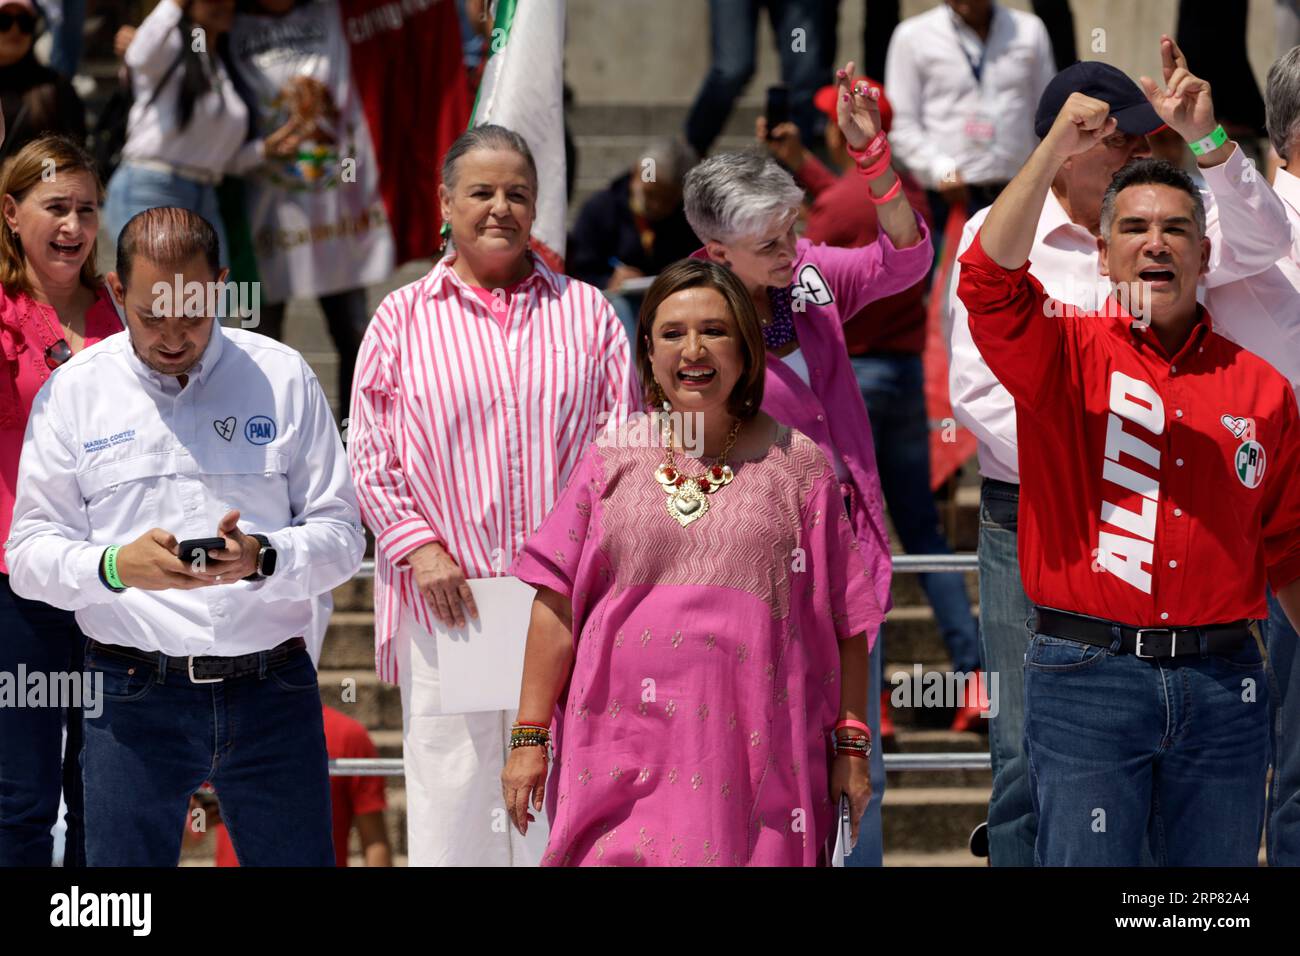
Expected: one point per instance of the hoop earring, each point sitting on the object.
(661, 398)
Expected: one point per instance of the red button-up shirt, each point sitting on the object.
(1156, 491)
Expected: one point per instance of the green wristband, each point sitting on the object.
(110, 568)
(1210, 143)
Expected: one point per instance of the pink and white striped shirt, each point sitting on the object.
(464, 429)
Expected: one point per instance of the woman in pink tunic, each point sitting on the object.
(700, 626)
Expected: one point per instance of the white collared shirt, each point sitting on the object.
(1262, 312)
(114, 449)
(943, 118)
(1247, 232)
(215, 139)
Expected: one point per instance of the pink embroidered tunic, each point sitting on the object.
(695, 727)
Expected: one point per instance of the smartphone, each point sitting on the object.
(191, 549)
(778, 107)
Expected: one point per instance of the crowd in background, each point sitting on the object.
(957, 89)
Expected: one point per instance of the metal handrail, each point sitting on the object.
(394, 767)
(903, 564)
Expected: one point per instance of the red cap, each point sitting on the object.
(825, 100)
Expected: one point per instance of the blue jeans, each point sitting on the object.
(893, 386)
(733, 26)
(133, 189)
(259, 740)
(65, 54)
(1005, 630)
(1283, 846)
(1123, 751)
(35, 764)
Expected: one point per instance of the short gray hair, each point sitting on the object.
(1282, 101)
(736, 194)
(487, 136)
(671, 157)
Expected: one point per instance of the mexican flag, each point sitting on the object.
(523, 90)
(384, 89)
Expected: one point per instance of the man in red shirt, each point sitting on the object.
(355, 801)
(1156, 461)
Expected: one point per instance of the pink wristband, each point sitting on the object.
(854, 724)
(871, 150)
(893, 191)
(879, 166)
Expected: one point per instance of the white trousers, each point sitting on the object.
(454, 812)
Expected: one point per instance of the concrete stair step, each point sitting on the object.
(912, 637)
(945, 858)
(930, 819)
(350, 641)
(377, 705)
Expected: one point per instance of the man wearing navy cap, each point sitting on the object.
(1248, 230)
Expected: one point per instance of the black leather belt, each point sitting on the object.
(208, 670)
(1146, 642)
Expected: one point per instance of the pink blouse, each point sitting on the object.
(27, 329)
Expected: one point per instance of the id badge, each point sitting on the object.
(979, 126)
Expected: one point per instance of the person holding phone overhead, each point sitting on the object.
(744, 207)
(477, 388)
(52, 304)
(209, 430)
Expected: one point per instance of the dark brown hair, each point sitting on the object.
(747, 396)
(24, 170)
(166, 236)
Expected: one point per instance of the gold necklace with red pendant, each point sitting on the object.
(688, 494)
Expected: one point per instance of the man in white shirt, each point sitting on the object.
(1248, 231)
(964, 79)
(1276, 292)
(180, 429)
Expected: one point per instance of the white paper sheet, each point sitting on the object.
(481, 665)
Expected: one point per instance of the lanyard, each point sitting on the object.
(976, 66)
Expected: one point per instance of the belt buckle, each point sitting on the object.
(200, 680)
(1173, 636)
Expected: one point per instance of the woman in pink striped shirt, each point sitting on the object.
(477, 389)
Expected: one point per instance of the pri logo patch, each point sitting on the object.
(1249, 464)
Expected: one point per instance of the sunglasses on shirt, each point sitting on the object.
(60, 351)
(26, 22)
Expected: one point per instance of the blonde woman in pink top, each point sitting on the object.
(52, 305)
